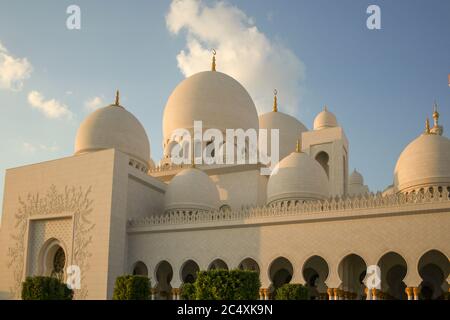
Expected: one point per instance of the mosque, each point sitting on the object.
(109, 210)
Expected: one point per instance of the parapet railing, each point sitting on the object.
(294, 207)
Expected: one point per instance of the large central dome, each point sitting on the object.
(215, 98)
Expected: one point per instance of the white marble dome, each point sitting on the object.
(325, 119)
(113, 127)
(424, 162)
(290, 130)
(191, 189)
(356, 178)
(213, 97)
(297, 177)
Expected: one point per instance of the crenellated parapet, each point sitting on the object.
(290, 208)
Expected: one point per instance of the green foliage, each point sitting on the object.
(292, 292)
(188, 291)
(45, 288)
(227, 285)
(129, 287)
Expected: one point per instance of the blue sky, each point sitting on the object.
(380, 83)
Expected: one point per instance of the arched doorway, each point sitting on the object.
(352, 271)
(53, 259)
(315, 272)
(393, 269)
(434, 269)
(140, 269)
(163, 275)
(249, 264)
(189, 271)
(280, 273)
(218, 264)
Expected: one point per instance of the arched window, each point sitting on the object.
(140, 269)
(323, 159)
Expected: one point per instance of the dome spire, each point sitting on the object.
(117, 101)
(213, 66)
(435, 114)
(325, 108)
(275, 102)
(437, 129)
(427, 126)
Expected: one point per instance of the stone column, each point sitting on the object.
(416, 291)
(368, 293)
(153, 291)
(330, 293)
(336, 293)
(374, 294)
(175, 294)
(409, 292)
(264, 293)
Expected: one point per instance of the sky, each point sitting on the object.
(381, 84)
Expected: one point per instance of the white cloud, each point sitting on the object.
(32, 148)
(50, 108)
(13, 71)
(93, 103)
(243, 51)
(28, 147)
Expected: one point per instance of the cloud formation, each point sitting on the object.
(32, 148)
(243, 51)
(93, 103)
(13, 71)
(52, 108)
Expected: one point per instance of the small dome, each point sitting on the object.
(325, 119)
(356, 178)
(424, 162)
(215, 98)
(290, 130)
(191, 189)
(297, 177)
(113, 127)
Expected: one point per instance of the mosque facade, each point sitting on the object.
(109, 210)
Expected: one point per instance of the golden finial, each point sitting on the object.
(116, 103)
(325, 108)
(213, 67)
(435, 114)
(275, 103)
(298, 147)
(427, 126)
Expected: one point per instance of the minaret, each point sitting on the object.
(437, 129)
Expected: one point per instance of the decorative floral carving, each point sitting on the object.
(73, 200)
